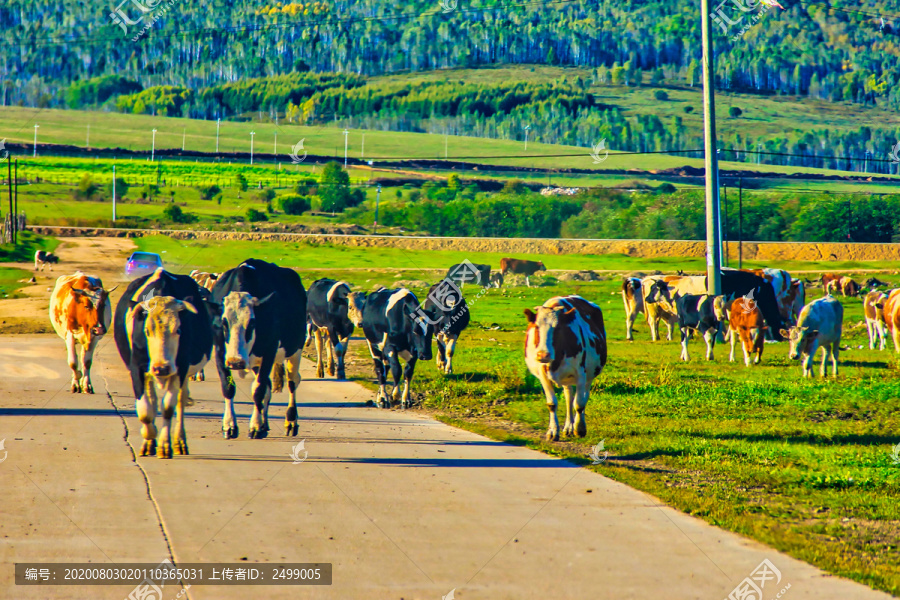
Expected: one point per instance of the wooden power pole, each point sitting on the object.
(713, 241)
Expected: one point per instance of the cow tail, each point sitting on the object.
(277, 377)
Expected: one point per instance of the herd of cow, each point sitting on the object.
(168, 326)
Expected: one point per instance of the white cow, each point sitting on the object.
(820, 324)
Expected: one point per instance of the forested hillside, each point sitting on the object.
(313, 62)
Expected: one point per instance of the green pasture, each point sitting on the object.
(802, 465)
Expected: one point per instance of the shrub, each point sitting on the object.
(265, 195)
(86, 188)
(173, 212)
(661, 95)
(240, 182)
(294, 204)
(666, 188)
(335, 187)
(734, 112)
(307, 187)
(209, 192)
(121, 188)
(688, 109)
(254, 215)
(515, 186)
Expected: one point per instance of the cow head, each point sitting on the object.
(239, 328)
(545, 320)
(423, 331)
(661, 292)
(541, 267)
(95, 299)
(162, 328)
(800, 339)
(356, 302)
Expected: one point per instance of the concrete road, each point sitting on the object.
(403, 506)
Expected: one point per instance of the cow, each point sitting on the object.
(794, 302)
(656, 311)
(565, 346)
(497, 280)
(451, 316)
(328, 324)
(745, 322)
(206, 280)
(521, 267)
(260, 305)
(467, 272)
(827, 278)
(163, 330)
(633, 299)
(696, 312)
(849, 287)
(395, 326)
(873, 283)
(80, 312)
(892, 316)
(739, 283)
(780, 281)
(876, 327)
(820, 324)
(42, 257)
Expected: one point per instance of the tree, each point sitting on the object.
(551, 57)
(661, 95)
(334, 187)
(734, 112)
(294, 204)
(254, 216)
(453, 181)
(240, 182)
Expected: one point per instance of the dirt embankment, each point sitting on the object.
(759, 251)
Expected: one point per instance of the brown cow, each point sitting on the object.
(80, 312)
(745, 321)
(634, 304)
(892, 316)
(521, 267)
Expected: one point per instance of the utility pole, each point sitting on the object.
(527, 127)
(9, 181)
(275, 151)
(217, 135)
(35, 140)
(346, 133)
(16, 206)
(88, 142)
(114, 195)
(377, 199)
(153, 148)
(183, 134)
(252, 133)
(713, 248)
(740, 223)
(445, 146)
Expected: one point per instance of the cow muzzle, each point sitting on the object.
(543, 357)
(161, 370)
(236, 364)
(99, 330)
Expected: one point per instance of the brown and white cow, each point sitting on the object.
(565, 346)
(794, 301)
(892, 316)
(745, 321)
(633, 299)
(844, 286)
(80, 312)
(873, 309)
(521, 267)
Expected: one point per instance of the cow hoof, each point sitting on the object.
(164, 451)
(320, 373)
(568, 431)
(331, 371)
(291, 429)
(76, 389)
(149, 448)
(89, 389)
(230, 433)
(581, 429)
(552, 436)
(181, 448)
(342, 376)
(370, 402)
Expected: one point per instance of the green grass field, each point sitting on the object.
(803, 466)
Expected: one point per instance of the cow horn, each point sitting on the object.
(114, 288)
(185, 305)
(266, 299)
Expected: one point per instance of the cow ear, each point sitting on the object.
(568, 316)
(785, 333)
(185, 305)
(257, 302)
(529, 314)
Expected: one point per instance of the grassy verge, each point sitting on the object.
(804, 466)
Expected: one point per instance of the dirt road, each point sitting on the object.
(403, 506)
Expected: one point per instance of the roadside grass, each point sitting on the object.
(28, 244)
(11, 282)
(804, 466)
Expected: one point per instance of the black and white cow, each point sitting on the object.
(387, 320)
(42, 257)
(326, 313)
(696, 312)
(163, 330)
(452, 316)
(262, 308)
(467, 272)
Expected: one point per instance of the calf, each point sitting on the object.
(873, 309)
(695, 312)
(163, 330)
(391, 333)
(80, 312)
(42, 257)
(820, 324)
(329, 325)
(497, 280)
(745, 321)
(657, 309)
(795, 300)
(565, 346)
(827, 278)
(451, 314)
(634, 304)
(260, 303)
(521, 267)
(467, 272)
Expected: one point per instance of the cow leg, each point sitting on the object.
(895, 335)
(396, 372)
(732, 337)
(836, 348)
(870, 331)
(451, 349)
(582, 392)
(528, 280)
(653, 325)
(292, 371)
(277, 377)
(171, 391)
(629, 325)
(340, 349)
(668, 331)
(320, 354)
(550, 394)
(73, 362)
(329, 348)
(179, 441)
(87, 358)
(146, 412)
(569, 427)
(685, 336)
(261, 390)
(440, 358)
(811, 354)
(710, 336)
(880, 334)
(746, 354)
(381, 398)
(407, 381)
